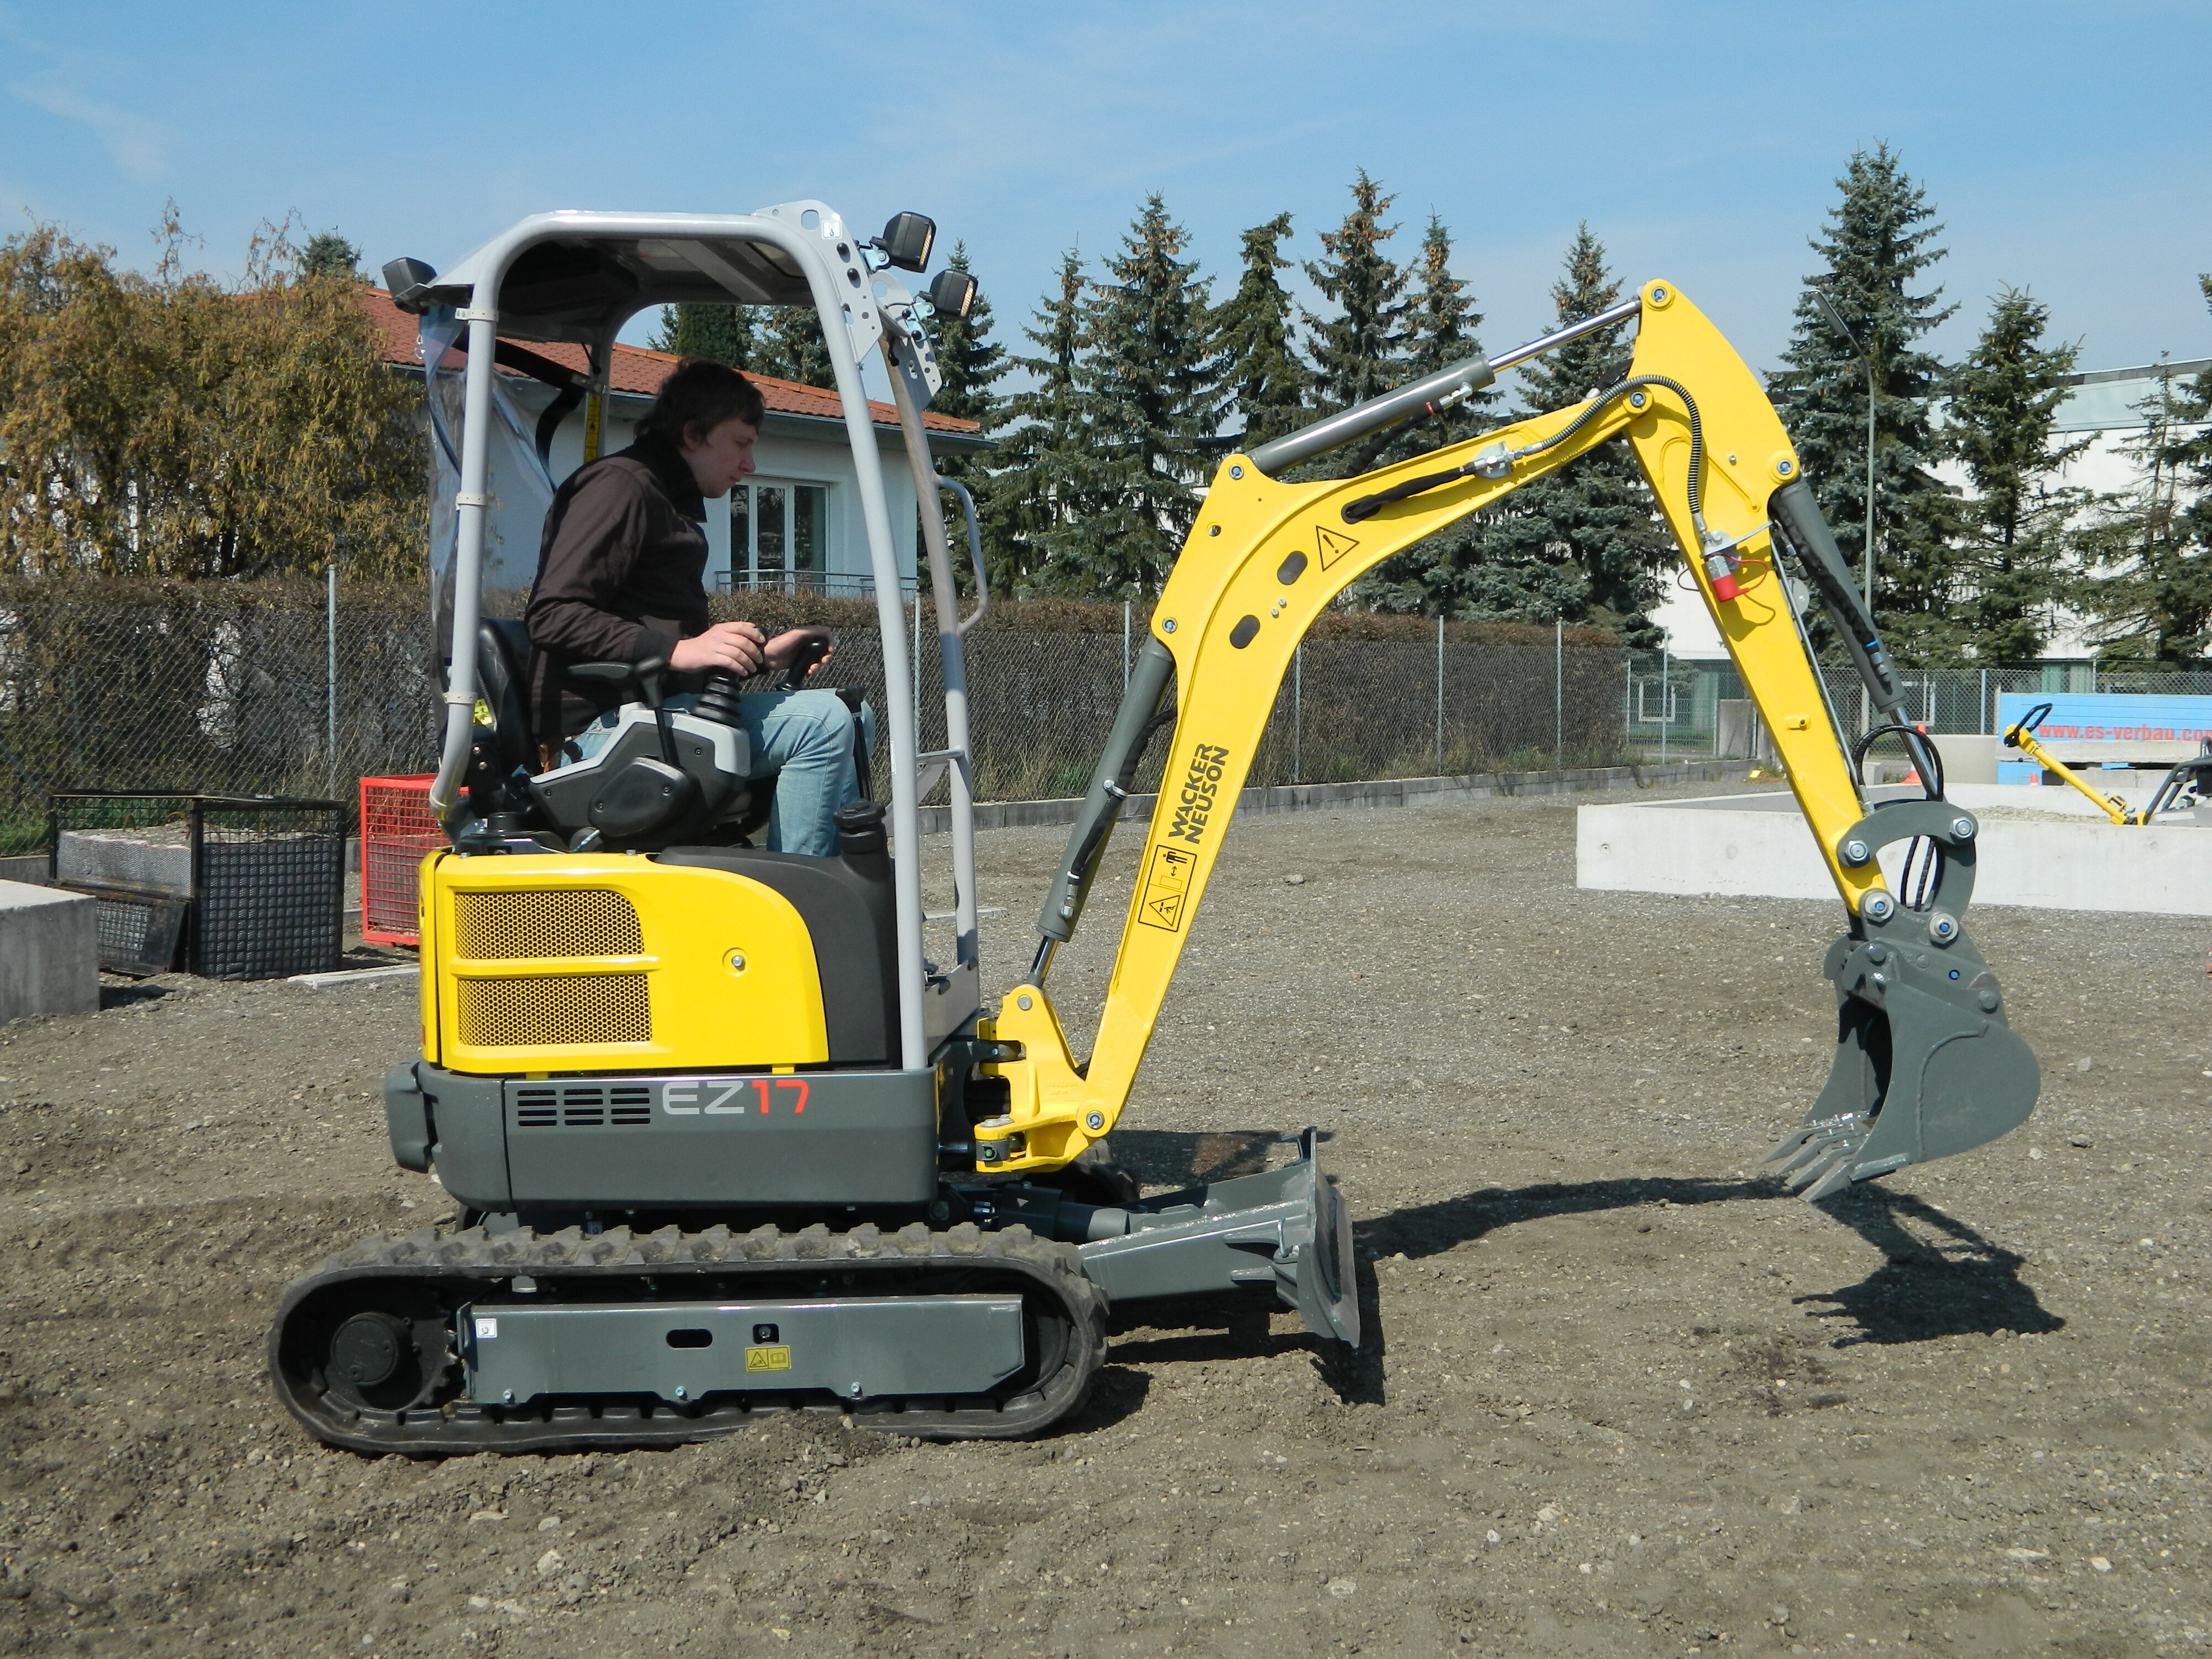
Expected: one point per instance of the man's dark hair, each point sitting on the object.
(698, 397)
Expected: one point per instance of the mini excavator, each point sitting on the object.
(725, 1144)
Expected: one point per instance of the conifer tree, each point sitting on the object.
(329, 255)
(1252, 329)
(1149, 392)
(1442, 322)
(720, 334)
(791, 348)
(2156, 605)
(1359, 352)
(1442, 319)
(1879, 241)
(1039, 462)
(2015, 555)
(971, 363)
(1584, 543)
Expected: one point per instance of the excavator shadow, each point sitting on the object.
(1941, 1277)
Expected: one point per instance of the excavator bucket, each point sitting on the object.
(1925, 1065)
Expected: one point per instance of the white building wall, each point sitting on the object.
(790, 450)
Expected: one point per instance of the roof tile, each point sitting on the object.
(640, 371)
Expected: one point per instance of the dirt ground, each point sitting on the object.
(1619, 1396)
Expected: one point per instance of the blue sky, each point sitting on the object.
(2064, 145)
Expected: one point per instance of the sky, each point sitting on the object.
(2063, 146)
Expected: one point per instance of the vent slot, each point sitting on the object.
(583, 1106)
(571, 1011)
(529, 927)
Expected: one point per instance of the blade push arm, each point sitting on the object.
(1266, 557)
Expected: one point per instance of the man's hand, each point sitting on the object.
(786, 645)
(738, 647)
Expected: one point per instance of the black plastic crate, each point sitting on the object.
(263, 878)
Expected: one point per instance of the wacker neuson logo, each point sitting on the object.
(1194, 808)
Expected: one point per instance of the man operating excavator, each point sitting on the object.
(620, 574)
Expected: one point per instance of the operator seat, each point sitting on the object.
(502, 658)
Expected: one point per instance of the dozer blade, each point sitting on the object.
(1925, 1065)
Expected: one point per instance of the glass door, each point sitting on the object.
(779, 534)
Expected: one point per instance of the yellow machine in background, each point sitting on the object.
(2180, 789)
(726, 1143)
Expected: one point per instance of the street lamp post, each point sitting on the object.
(1866, 359)
(1866, 562)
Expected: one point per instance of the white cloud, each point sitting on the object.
(139, 145)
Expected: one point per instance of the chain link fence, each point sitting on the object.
(1677, 709)
(301, 690)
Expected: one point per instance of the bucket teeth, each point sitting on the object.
(1834, 1176)
(1816, 1160)
(1806, 1141)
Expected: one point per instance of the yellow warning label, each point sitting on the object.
(1167, 885)
(1334, 545)
(768, 1359)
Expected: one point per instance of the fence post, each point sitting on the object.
(1666, 706)
(1983, 713)
(1440, 696)
(1298, 712)
(1627, 697)
(915, 658)
(1125, 647)
(330, 668)
(1560, 693)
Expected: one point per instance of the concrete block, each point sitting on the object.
(49, 952)
(2067, 857)
(153, 860)
(1968, 756)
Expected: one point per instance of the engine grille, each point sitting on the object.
(569, 1010)
(583, 1106)
(587, 921)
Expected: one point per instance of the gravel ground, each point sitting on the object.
(1619, 1396)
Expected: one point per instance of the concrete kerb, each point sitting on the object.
(1375, 792)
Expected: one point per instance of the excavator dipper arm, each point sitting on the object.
(1264, 559)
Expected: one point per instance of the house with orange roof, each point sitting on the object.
(795, 524)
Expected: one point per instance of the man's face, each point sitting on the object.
(722, 457)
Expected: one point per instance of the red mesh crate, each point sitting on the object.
(397, 829)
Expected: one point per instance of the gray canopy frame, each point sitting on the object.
(577, 277)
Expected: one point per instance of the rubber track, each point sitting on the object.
(467, 1264)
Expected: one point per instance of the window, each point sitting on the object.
(779, 534)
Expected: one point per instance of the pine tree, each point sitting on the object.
(1252, 330)
(2156, 605)
(2015, 555)
(1039, 464)
(1584, 543)
(1881, 239)
(329, 255)
(719, 334)
(1359, 352)
(1442, 321)
(1151, 400)
(792, 347)
(971, 363)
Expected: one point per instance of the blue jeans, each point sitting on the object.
(804, 736)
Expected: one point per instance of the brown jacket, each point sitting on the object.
(619, 574)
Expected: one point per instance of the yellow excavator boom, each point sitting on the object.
(1265, 557)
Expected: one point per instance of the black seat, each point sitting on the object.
(502, 681)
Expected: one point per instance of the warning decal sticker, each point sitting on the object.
(1167, 885)
(1334, 545)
